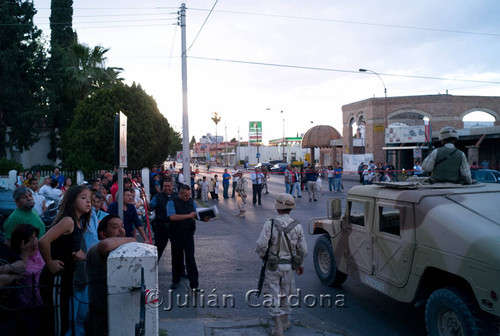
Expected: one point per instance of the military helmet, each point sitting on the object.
(284, 201)
(448, 132)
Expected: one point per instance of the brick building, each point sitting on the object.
(376, 115)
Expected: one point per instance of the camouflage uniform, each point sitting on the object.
(281, 281)
(241, 189)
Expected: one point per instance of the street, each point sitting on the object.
(229, 269)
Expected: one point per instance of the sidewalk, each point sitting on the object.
(226, 327)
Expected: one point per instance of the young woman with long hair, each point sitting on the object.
(60, 248)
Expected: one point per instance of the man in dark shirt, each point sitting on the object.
(161, 222)
(130, 219)
(182, 213)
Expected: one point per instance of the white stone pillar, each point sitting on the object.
(124, 283)
(145, 180)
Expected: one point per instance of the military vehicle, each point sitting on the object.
(437, 245)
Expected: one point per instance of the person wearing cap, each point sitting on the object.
(241, 189)
(447, 163)
(287, 250)
(24, 214)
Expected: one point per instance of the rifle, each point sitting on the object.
(264, 262)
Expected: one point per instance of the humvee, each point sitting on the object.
(435, 244)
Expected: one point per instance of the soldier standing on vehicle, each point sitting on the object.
(287, 250)
(448, 164)
(241, 189)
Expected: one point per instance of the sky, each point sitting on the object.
(313, 50)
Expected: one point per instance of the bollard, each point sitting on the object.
(124, 288)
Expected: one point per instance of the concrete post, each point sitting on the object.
(124, 283)
(145, 180)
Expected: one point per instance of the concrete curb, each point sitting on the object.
(225, 327)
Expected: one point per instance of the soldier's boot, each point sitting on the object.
(242, 214)
(278, 327)
(239, 214)
(284, 322)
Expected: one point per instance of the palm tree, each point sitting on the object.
(89, 70)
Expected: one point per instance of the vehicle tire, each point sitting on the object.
(324, 263)
(452, 311)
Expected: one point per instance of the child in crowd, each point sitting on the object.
(215, 194)
(204, 189)
(61, 249)
(319, 185)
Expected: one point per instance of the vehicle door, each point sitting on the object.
(358, 232)
(393, 241)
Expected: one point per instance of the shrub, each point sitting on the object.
(8, 165)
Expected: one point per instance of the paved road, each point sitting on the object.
(228, 265)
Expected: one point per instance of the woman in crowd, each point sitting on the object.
(27, 176)
(66, 185)
(60, 248)
(107, 199)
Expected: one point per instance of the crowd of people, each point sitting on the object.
(48, 267)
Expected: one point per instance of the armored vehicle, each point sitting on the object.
(434, 244)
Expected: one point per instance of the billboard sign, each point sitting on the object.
(255, 132)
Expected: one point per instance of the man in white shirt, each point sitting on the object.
(53, 193)
(46, 186)
(180, 177)
(257, 177)
(40, 206)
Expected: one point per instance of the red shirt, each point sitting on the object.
(114, 190)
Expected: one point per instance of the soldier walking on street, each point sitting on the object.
(241, 189)
(287, 250)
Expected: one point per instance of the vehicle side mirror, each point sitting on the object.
(334, 208)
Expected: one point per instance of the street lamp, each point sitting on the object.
(385, 90)
(215, 119)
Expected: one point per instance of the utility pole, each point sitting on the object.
(185, 121)
(225, 130)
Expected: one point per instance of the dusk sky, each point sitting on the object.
(313, 50)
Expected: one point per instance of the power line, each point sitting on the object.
(355, 22)
(340, 70)
(203, 25)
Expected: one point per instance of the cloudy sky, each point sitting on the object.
(254, 59)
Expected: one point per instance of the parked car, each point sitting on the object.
(263, 164)
(279, 168)
(486, 175)
(268, 164)
(7, 204)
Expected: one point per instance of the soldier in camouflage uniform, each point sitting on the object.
(241, 190)
(287, 252)
(448, 164)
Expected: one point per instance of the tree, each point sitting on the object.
(60, 83)
(88, 142)
(192, 143)
(233, 140)
(89, 70)
(22, 74)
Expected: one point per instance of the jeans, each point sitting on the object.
(288, 188)
(330, 184)
(338, 185)
(225, 192)
(295, 185)
(234, 189)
